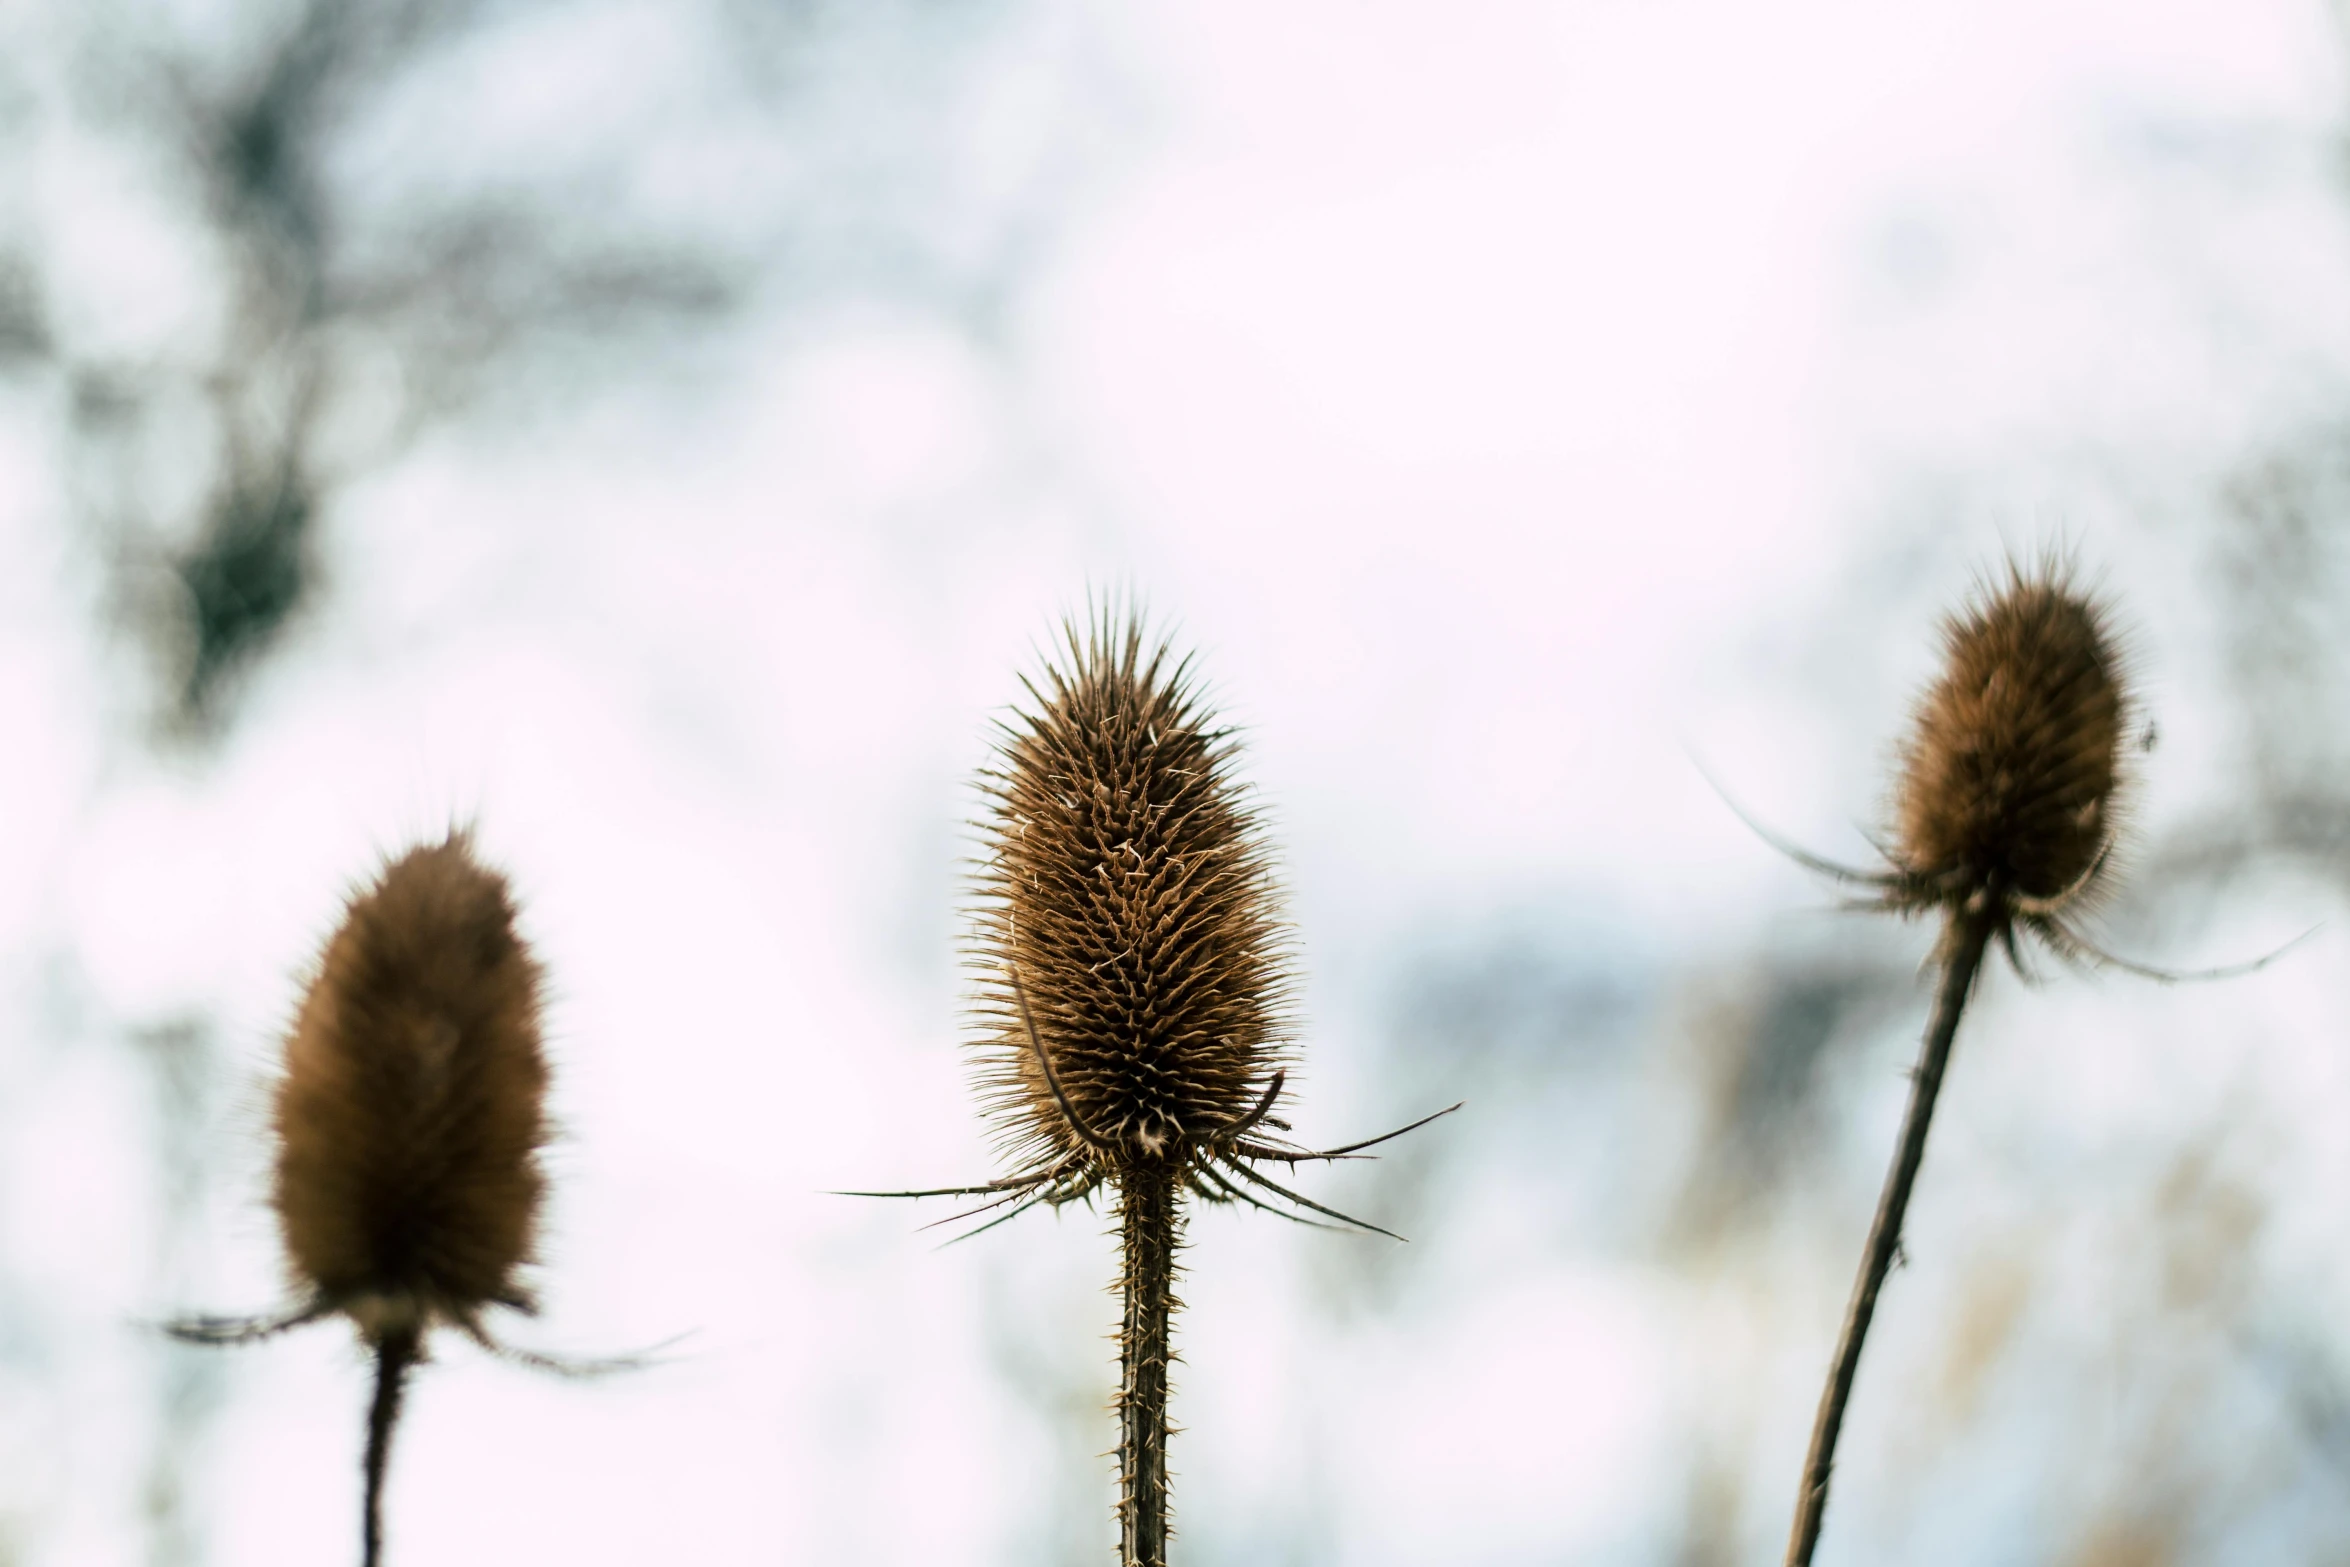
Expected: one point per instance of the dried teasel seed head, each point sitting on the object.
(1128, 910)
(2008, 780)
(410, 1114)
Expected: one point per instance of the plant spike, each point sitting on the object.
(409, 1121)
(2005, 816)
(1133, 995)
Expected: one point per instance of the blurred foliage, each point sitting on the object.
(369, 263)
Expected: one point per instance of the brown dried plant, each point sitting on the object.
(1133, 998)
(2004, 814)
(409, 1118)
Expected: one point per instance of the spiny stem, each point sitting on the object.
(395, 1352)
(1970, 934)
(1149, 1223)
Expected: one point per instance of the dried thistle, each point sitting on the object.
(2005, 815)
(1133, 994)
(409, 1119)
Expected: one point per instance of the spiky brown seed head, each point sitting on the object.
(1126, 895)
(2008, 780)
(410, 1114)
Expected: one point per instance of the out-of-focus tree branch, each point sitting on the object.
(464, 271)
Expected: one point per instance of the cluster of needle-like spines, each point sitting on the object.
(1127, 914)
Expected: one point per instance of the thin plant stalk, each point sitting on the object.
(1150, 1221)
(395, 1353)
(1970, 936)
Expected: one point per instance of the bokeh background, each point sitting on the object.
(660, 433)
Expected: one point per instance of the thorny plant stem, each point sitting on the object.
(1969, 935)
(1146, 1208)
(393, 1356)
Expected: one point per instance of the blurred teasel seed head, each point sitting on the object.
(411, 1113)
(1134, 979)
(409, 1120)
(2004, 819)
(2009, 777)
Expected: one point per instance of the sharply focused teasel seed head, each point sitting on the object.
(1128, 911)
(1133, 994)
(410, 1114)
(2008, 782)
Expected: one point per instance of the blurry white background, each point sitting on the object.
(660, 434)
